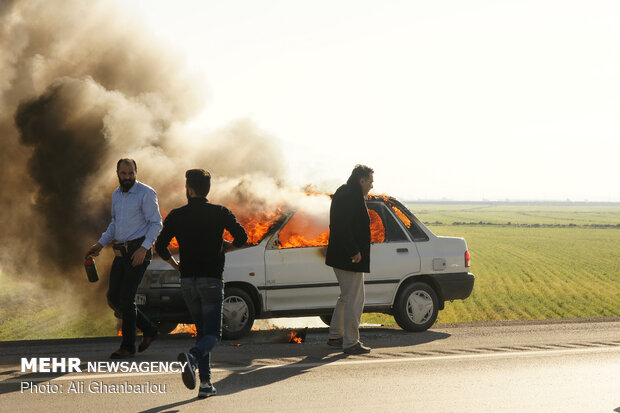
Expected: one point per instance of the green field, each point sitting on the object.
(28, 312)
(552, 261)
(530, 261)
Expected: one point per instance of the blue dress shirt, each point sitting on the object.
(135, 214)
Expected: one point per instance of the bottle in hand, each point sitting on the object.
(91, 269)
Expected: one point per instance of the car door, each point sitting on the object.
(296, 275)
(392, 255)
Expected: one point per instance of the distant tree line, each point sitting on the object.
(509, 224)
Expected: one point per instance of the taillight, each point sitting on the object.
(467, 258)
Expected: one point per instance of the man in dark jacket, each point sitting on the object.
(198, 228)
(348, 252)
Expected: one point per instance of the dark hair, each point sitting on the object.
(127, 161)
(199, 180)
(360, 171)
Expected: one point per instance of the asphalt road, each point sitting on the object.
(510, 367)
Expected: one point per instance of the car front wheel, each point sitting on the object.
(416, 307)
(237, 313)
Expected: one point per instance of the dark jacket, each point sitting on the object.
(198, 228)
(349, 229)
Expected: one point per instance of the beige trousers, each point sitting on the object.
(348, 312)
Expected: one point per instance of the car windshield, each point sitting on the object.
(258, 225)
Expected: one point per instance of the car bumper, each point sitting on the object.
(163, 304)
(455, 286)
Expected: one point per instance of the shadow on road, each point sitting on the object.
(247, 359)
(13, 384)
(247, 373)
(259, 377)
(170, 406)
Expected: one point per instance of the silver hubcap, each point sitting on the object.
(419, 307)
(235, 313)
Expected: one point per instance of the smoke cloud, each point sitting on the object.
(81, 86)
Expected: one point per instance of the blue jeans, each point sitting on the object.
(204, 297)
(124, 281)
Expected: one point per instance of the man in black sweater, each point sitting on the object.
(198, 228)
(348, 252)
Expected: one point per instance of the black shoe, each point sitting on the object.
(335, 342)
(189, 371)
(121, 353)
(357, 348)
(146, 341)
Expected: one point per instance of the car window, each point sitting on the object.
(305, 230)
(310, 228)
(391, 231)
(416, 233)
(377, 229)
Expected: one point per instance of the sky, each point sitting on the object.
(476, 100)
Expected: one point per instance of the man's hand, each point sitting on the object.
(227, 246)
(356, 258)
(94, 250)
(138, 257)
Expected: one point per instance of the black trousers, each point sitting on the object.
(124, 281)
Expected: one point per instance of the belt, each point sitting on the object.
(124, 248)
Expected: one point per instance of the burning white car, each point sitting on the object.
(413, 272)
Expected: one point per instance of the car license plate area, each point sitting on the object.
(140, 299)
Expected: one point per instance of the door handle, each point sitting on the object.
(402, 250)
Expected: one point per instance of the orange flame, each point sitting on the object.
(185, 328)
(293, 338)
(304, 230)
(390, 202)
(256, 224)
(402, 216)
(377, 229)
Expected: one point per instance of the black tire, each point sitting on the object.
(165, 327)
(416, 307)
(327, 319)
(238, 313)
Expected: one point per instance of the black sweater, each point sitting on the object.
(198, 228)
(349, 229)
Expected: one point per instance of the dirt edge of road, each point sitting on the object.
(261, 336)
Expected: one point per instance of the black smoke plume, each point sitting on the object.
(82, 85)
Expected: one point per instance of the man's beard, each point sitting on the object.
(126, 184)
(187, 195)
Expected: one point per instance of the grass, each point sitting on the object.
(527, 272)
(29, 312)
(541, 214)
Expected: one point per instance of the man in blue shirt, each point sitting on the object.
(135, 224)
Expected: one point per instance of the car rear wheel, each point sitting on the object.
(237, 313)
(416, 307)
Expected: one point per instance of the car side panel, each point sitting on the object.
(297, 278)
(389, 263)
